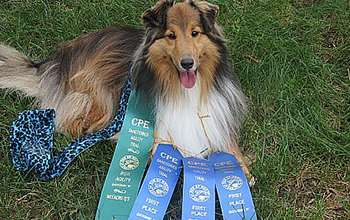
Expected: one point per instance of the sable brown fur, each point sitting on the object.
(87, 76)
(182, 20)
(83, 80)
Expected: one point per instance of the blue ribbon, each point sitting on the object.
(31, 140)
(232, 187)
(159, 184)
(199, 190)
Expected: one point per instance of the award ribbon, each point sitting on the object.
(129, 161)
(232, 186)
(159, 184)
(199, 190)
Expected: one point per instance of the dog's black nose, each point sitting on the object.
(187, 63)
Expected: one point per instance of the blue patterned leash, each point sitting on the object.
(31, 140)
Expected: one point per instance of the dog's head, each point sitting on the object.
(182, 43)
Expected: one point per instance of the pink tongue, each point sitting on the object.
(188, 79)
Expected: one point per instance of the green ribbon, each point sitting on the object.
(129, 161)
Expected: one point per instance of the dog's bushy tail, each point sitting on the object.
(18, 72)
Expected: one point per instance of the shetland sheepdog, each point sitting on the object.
(180, 60)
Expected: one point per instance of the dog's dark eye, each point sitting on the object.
(172, 36)
(195, 33)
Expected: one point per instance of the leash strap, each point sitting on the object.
(31, 140)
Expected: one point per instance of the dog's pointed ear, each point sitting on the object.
(156, 16)
(208, 13)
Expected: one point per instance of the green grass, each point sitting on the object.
(299, 95)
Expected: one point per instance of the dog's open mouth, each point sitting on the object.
(188, 79)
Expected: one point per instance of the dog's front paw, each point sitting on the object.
(252, 181)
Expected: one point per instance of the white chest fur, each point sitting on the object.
(178, 121)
